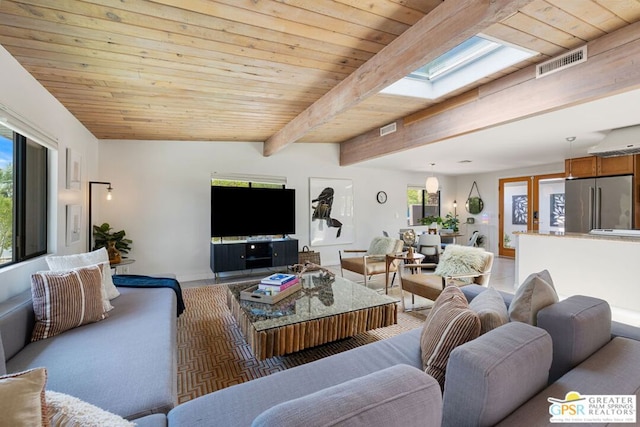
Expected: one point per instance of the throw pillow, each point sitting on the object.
(458, 259)
(22, 399)
(99, 256)
(382, 245)
(535, 293)
(65, 410)
(63, 300)
(491, 309)
(449, 324)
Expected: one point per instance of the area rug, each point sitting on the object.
(213, 354)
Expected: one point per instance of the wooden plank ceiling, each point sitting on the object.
(241, 70)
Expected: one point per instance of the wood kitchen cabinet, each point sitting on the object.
(593, 166)
(621, 165)
(581, 167)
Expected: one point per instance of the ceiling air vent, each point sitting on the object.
(386, 130)
(562, 62)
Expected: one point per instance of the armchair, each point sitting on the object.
(460, 265)
(429, 246)
(473, 240)
(370, 261)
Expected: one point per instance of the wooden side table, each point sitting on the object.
(413, 258)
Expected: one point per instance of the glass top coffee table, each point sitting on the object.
(326, 309)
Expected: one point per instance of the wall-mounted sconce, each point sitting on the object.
(570, 139)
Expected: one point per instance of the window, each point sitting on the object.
(421, 204)
(23, 197)
(241, 180)
(229, 183)
(467, 63)
(458, 57)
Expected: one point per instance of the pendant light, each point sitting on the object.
(570, 139)
(432, 184)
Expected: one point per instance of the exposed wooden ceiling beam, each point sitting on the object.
(611, 68)
(444, 28)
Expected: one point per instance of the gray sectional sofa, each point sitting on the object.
(504, 377)
(125, 364)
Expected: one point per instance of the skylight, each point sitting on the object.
(466, 63)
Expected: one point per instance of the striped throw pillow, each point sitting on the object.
(450, 323)
(63, 300)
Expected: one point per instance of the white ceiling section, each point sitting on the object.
(535, 141)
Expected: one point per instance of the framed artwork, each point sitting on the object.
(556, 215)
(519, 210)
(74, 216)
(331, 211)
(74, 169)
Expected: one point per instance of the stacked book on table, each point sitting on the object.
(273, 288)
(277, 283)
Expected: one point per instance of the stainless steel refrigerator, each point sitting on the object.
(593, 203)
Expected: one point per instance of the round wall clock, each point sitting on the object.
(381, 197)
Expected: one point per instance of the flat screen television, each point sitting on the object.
(249, 211)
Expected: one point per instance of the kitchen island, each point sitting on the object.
(602, 266)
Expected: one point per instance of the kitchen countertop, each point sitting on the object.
(618, 237)
(596, 265)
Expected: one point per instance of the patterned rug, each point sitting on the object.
(212, 353)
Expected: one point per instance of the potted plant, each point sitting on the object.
(105, 238)
(451, 222)
(428, 220)
(506, 241)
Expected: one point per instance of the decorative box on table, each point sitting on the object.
(249, 295)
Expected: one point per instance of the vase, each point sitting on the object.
(114, 254)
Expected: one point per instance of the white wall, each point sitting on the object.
(25, 97)
(162, 196)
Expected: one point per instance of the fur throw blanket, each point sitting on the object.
(458, 259)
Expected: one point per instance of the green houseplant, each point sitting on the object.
(428, 220)
(451, 222)
(506, 241)
(102, 235)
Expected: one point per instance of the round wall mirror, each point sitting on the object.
(474, 205)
